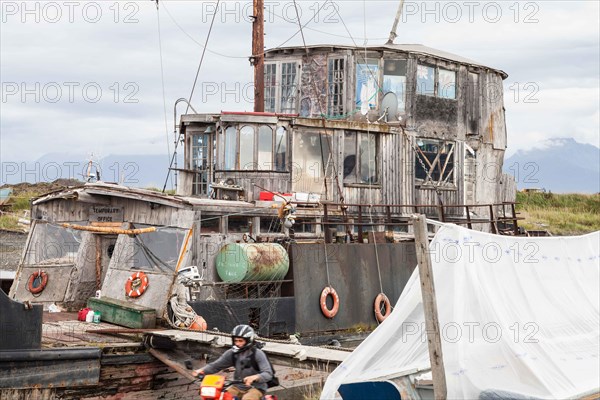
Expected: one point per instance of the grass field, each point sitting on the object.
(560, 214)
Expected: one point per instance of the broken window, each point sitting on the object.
(335, 81)
(281, 87)
(394, 80)
(434, 162)
(367, 85)
(360, 158)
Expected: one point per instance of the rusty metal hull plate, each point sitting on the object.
(49, 369)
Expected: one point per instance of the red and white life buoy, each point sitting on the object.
(136, 285)
(329, 312)
(37, 282)
(381, 301)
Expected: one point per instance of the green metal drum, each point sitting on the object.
(245, 262)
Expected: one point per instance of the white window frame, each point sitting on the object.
(278, 85)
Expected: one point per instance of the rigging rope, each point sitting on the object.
(162, 78)
(202, 57)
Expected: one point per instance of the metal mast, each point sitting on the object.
(395, 26)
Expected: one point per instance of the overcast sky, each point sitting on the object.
(85, 77)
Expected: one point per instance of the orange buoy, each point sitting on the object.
(136, 285)
(329, 291)
(199, 324)
(382, 301)
(40, 278)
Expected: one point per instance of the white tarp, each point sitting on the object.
(519, 315)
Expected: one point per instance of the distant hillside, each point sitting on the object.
(557, 165)
(130, 170)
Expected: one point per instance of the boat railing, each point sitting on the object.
(502, 218)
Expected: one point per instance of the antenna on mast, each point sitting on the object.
(393, 34)
(258, 54)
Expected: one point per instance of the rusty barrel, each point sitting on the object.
(246, 262)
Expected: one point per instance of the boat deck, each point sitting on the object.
(62, 329)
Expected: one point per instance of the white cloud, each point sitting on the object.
(559, 53)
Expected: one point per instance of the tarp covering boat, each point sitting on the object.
(516, 315)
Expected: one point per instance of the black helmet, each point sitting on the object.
(244, 332)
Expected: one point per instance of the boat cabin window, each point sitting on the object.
(360, 158)
(394, 80)
(312, 161)
(270, 225)
(238, 224)
(434, 162)
(281, 87)
(438, 82)
(367, 84)
(202, 148)
(447, 84)
(155, 251)
(210, 224)
(305, 225)
(425, 80)
(255, 148)
(335, 82)
(52, 245)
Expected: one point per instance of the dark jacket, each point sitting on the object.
(243, 366)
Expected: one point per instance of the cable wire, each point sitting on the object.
(162, 78)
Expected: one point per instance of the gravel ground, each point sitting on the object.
(11, 248)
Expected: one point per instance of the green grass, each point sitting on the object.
(9, 222)
(560, 214)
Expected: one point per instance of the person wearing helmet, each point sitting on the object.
(240, 356)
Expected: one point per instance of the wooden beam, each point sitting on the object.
(432, 325)
(172, 364)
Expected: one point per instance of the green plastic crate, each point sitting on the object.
(122, 313)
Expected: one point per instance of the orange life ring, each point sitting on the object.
(34, 278)
(330, 291)
(136, 285)
(382, 298)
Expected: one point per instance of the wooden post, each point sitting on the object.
(514, 216)
(493, 219)
(258, 50)
(468, 217)
(432, 326)
(98, 261)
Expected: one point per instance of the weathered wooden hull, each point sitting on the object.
(118, 376)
